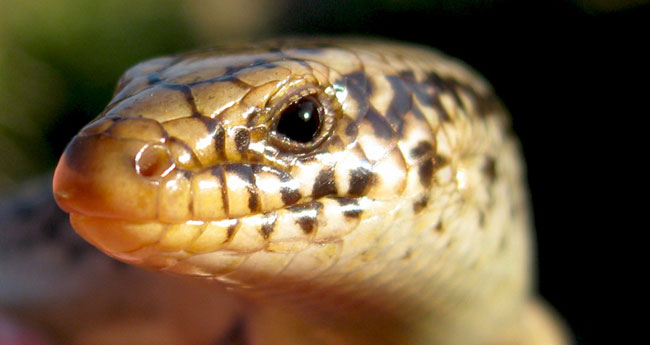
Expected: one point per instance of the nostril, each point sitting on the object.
(153, 161)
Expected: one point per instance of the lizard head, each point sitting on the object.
(241, 151)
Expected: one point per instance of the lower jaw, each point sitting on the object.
(119, 237)
(156, 244)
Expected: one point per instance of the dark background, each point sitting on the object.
(564, 69)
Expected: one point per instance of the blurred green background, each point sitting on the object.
(559, 66)
(60, 59)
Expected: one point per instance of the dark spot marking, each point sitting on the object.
(360, 79)
(380, 126)
(230, 70)
(351, 130)
(419, 205)
(440, 161)
(474, 97)
(307, 220)
(447, 86)
(428, 91)
(359, 97)
(242, 139)
(489, 169)
(269, 225)
(253, 200)
(417, 113)
(324, 183)
(307, 224)
(424, 92)
(289, 195)
(400, 104)
(259, 62)
(419, 89)
(358, 87)
(245, 172)
(425, 171)
(220, 141)
(153, 78)
(187, 93)
(350, 207)
(452, 87)
(258, 168)
(438, 227)
(227, 77)
(210, 124)
(407, 76)
(335, 142)
(231, 230)
(408, 254)
(435, 102)
(433, 80)
(360, 178)
(218, 172)
(422, 149)
(186, 174)
(282, 175)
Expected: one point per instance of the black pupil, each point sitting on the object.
(300, 121)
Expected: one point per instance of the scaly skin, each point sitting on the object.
(403, 221)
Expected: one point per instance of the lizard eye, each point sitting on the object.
(303, 123)
(301, 120)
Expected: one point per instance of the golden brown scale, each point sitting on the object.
(370, 189)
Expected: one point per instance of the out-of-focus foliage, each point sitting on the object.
(29, 91)
(93, 37)
(60, 58)
(215, 22)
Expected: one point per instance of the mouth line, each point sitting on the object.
(152, 220)
(349, 204)
(120, 237)
(317, 220)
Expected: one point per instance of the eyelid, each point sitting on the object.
(326, 113)
(284, 124)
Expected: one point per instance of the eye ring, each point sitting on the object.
(321, 105)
